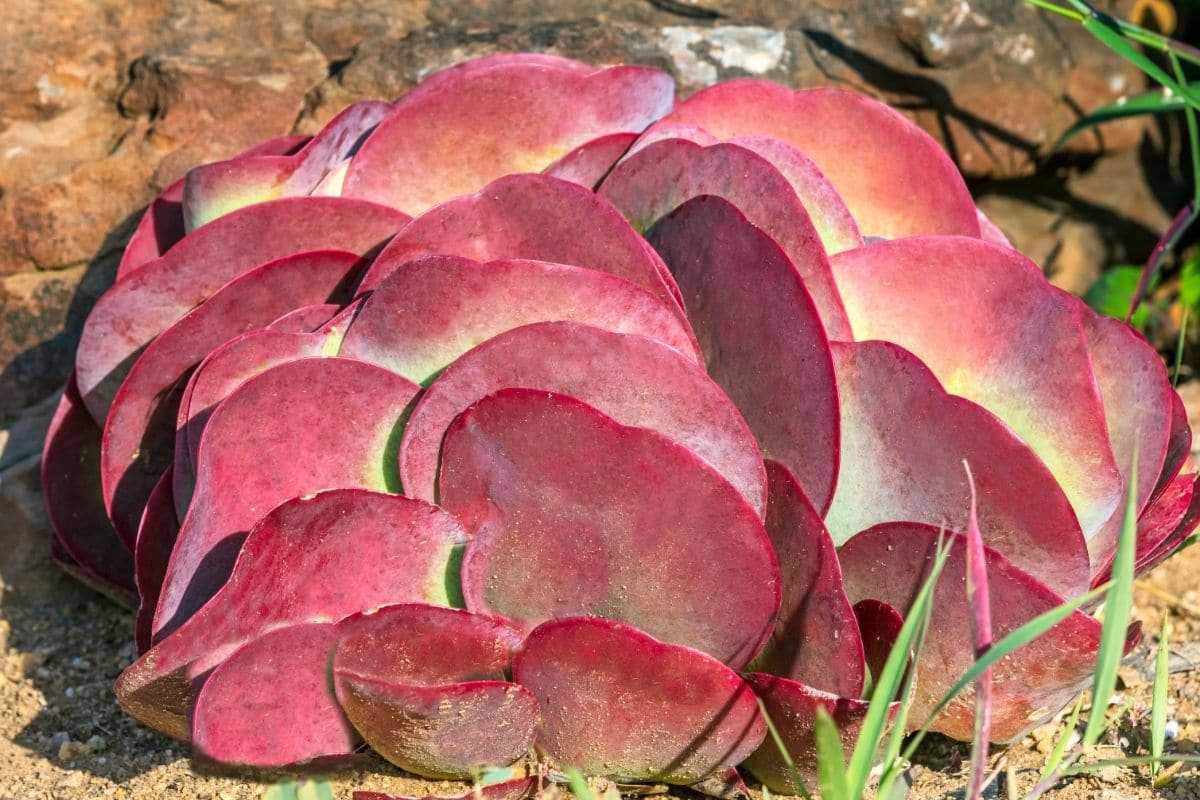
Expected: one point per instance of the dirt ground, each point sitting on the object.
(62, 736)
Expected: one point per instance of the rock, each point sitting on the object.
(41, 316)
(71, 750)
(24, 546)
(23, 438)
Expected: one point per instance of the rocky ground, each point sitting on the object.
(105, 102)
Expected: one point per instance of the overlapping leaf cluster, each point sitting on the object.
(537, 411)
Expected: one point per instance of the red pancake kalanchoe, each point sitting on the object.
(541, 414)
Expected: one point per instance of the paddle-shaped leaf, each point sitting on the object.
(399, 550)
(617, 702)
(548, 485)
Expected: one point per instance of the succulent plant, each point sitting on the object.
(539, 412)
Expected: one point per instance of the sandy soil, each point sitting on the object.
(62, 736)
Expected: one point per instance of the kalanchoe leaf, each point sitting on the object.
(159, 229)
(879, 624)
(607, 459)
(792, 707)
(444, 731)
(515, 789)
(896, 180)
(617, 702)
(139, 433)
(1168, 545)
(1137, 394)
(162, 223)
(816, 625)
(894, 413)
(1160, 520)
(762, 339)
(425, 645)
(268, 704)
(70, 475)
(426, 688)
(398, 550)
(990, 231)
(436, 308)
(149, 300)
(587, 164)
(213, 190)
(633, 379)
(89, 577)
(1179, 445)
(156, 537)
(1028, 687)
(727, 784)
(305, 319)
(464, 129)
(1016, 347)
(456, 74)
(222, 371)
(828, 211)
(530, 217)
(339, 427)
(547, 485)
(650, 184)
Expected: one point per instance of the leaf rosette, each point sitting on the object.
(539, 412)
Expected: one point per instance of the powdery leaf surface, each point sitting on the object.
(429, 313)
(139, 432)
(549, 486)
(336, 424)
(531, 217)
(145, 303)
(904, 441)
(617, 702)
(399, 550)
(633, 379)
(896, 180)
(762, 338)
(461, 130)
(662, 176)
(269, 705)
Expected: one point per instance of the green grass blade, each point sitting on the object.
(773, 732)
(831, 766)
(579, 785)
(1118, 604)
(314, 790)
(1159, 101)
(1055, 759)
(979, 599)
(1183, 323)
(1156, 41)
(889, 680)
(894, 765)
(1129, 761)
(285, 790)
(1109, 33)
(1192, 129)
(1019, 638)
(1158, 705)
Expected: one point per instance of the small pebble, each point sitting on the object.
(1171, 729)
(70, 750)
